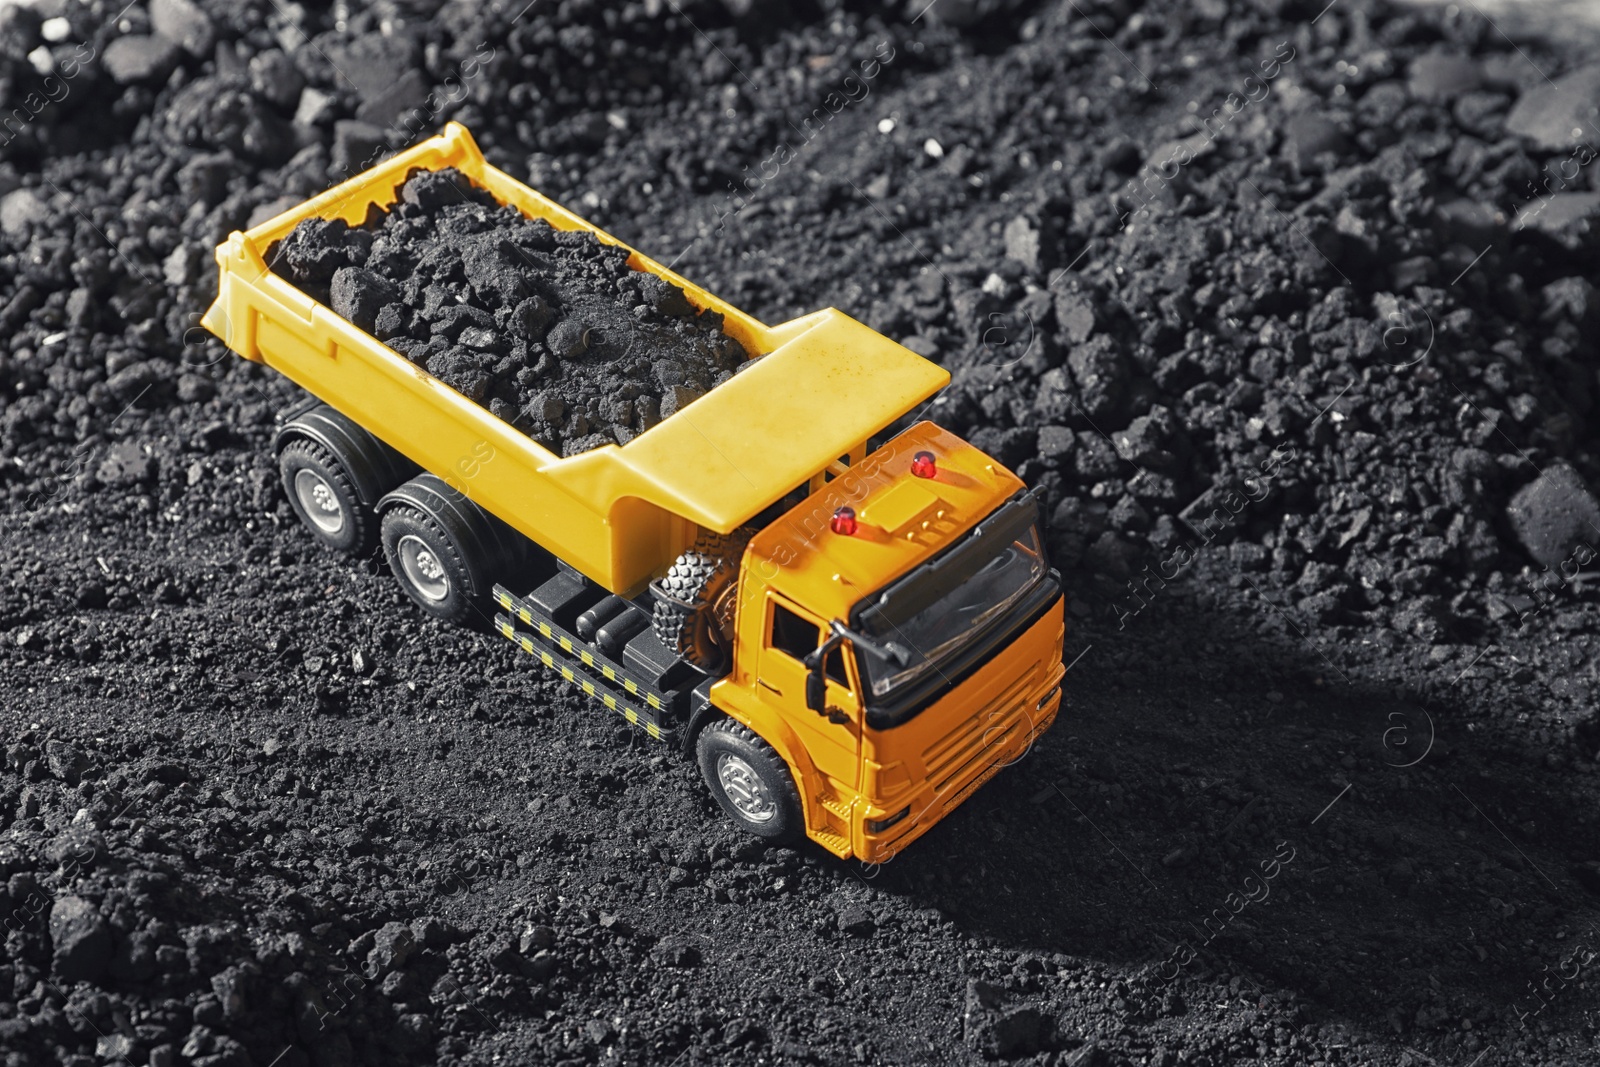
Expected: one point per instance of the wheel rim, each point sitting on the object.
(422, 568)
(319, 502)
(745, 790)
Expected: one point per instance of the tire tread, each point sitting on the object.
(363, 522)
(441, 542)
(696, 577)
(794, 817)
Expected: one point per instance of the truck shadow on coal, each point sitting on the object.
(1223, 806)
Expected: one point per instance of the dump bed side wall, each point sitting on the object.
(263, 318)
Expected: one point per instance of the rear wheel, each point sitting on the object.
(749, 780)
(429, 565)
(324, 497)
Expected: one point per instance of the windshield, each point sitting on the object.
(925, 617)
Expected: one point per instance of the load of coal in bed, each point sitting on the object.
(548, 329)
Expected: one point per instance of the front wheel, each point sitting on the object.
(750, 781)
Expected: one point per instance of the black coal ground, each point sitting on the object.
(256, 811)
(551, 331)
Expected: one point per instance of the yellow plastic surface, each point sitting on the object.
(902, 507)
(769, 428)
(830, 572)
(618, 514)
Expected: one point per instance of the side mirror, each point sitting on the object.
(816, 681)
(816, 691)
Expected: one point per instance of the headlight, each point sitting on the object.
(878, 826)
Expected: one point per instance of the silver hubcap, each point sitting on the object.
(318, 501)
(422, 568)
(745, 789)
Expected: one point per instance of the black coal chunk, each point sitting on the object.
(393, 320)
(451, 322)
(315, 250)
(567, 339)
(531, 318)
(359, 295)
(1554, 513)
(81, 940)
(434, 189)
(664, 297)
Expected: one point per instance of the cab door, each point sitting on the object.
(833, 738)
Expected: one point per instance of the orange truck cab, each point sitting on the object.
(849, 634)
(932, 629)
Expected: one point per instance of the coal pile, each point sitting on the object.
(106, 929)
(550, 330)
(1288, 309)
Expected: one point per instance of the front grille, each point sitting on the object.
(972, 787)
(987, 729)
(994, 768)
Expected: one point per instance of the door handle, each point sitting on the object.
(768, 685)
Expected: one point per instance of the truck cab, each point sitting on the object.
(900, 634)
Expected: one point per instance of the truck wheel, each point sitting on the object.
(686, 627)
(750, 781)
(323, 495)
(428, 564)
(691, 620)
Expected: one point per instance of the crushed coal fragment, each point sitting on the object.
(81, 940)
(1441, 77)
(140, 58)
(1554, 514)
(1001, 1030)
(184, 22)
(1555, 115)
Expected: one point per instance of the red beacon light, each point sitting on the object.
(843, 521)
(923, 465)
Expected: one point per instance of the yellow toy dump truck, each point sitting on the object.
(848, 637)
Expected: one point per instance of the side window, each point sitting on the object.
(833, 667)
(792, 634)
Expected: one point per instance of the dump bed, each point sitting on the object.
(619, 514)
